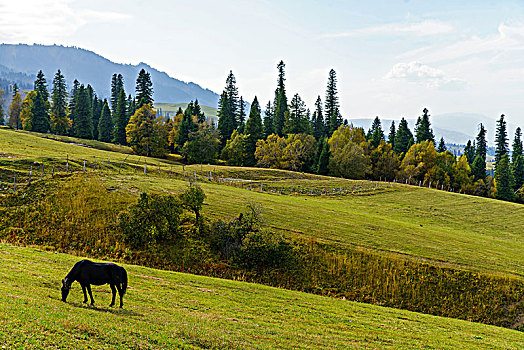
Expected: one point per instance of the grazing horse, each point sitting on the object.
(87, 272)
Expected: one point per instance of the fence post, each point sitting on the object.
(84, 166)
(53, 172)
(14, 184)
(30, 172)
(67, 164)
(42, 173)
(145, 168)
(109, 160)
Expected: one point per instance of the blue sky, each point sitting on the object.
(392, 58)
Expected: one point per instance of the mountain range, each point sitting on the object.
(90, 68)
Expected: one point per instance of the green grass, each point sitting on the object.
(174, 310)
(452, 229)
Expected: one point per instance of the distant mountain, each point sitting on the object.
(90, 68)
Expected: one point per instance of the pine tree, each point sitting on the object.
(517, 145)
(60, 123)
(228, 109)
(197, 111)
(469, 151)
(120, 119)
(117, 84)
(317, 122)
(297, 121)
(322, 167)
(517, 168)
(144, 89)
(97, 113)
(504, 179)
(481, 143)
(105, 124)
(501, 140)
(268, 120)
(423, 129)
(392, 133)
(254, 131)
(478, 168)
(131, 106)
(15, 89)
(403, 138)
(187, 126)
(241, 115)
(73, 97)
(280, 104)
(332, 108)
(375, 133)
(40, 120)
(41, 86)
(442, 146)
(83, 115)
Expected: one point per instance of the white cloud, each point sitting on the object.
(425, 28)
(46, 21)
(416, 72)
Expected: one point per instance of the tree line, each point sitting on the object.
(287, 135)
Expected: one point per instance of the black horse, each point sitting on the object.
(87, 272)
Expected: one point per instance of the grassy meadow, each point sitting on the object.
(165, 310)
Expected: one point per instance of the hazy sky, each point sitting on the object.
(392, 58)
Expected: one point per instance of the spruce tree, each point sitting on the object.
(332, 108)
(39, 110)
(280, 104)
(478, 168)
(375, 133)
(504, 181)
(241, 115)
(423, 129)
(469, 151)
(481, 143)
(59, 121)
(197, 111)
(254, 131)
(186, 127)
(442, 146)
(517, 168)
(517, 145)
(144, 89)
(501, 140)
(228, 109)
(105, 124)
(97, 113)
(392, 133)
(120, 119)
(268, 120)
(317, 122)
(15, 89)
(73, 97)
(322, 167)
(403, 138)
(131, 106)
(117, 84)
(41, 86)
(297, 122)
(83, 115)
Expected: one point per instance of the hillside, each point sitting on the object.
(170, 109)
(90, 68)
(174, 310)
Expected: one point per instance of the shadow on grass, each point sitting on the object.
(112, 310)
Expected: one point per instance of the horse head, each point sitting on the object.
(66, 286)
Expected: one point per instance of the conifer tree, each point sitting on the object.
(268, 120)
(332, 108)
(39, 110)
(280, 105)
(481, 143)
(442, 146)
(297, 121)
(501, 140)
(147, 134)
(186, 127)
(60, 123)
(241, 115)
(469, 151)
(197, 111)
(15, 89)
(254, 131)
(517, 168)
(15, 109)
(41, 86)
(73, 97)
(375, 133)
(423, 129)
(403, 138)
(504, 181)
(517, 145)
(105, 124)
(317, 122)
(392, 133)
(83, 115)
(478, 168)
(117, 84)
(120, 119)
(131, 106)
(144, 89)
(228, 109)
(322, 166)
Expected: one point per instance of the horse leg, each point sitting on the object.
(85, 294)
(121, 294)
(90, 294)
(113, 290)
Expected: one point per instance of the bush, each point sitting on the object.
(153, 219)
(261, 249)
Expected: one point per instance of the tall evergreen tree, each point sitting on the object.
(97, 113)
(117, 84)
(297, 121)
(375, 133)
(15, 89)
(423, 129)
(442, 146)
(517, 145)
(60, 123)
(501, 140)
(332, 108)
(392, 133)
(469, 151)
(41, 86)
(478, 168)
(186, 127)
(197, 111)
(228, 109)
(120, 119)
(83, 115)
(254, 130)
(403, 138)
(322, 167)
(517, 168)
(317, 122)
(144, 89)
(39, 110)
(268, 120)
(241, 115)
(131, 106)
(481, 143)
(73, 97)
(280, 105)
(504, 181)
(105, 124)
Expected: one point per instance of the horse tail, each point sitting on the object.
(123, 284)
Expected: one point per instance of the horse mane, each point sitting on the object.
(74, 271)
